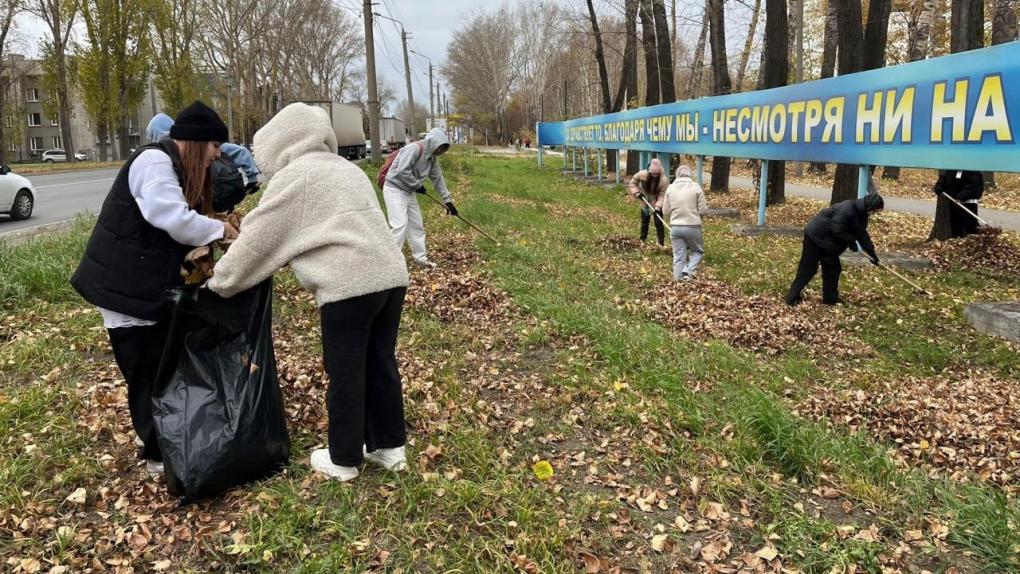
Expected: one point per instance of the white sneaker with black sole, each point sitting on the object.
(154, 468)
(322, 463)
(394, 459)
(424, 264)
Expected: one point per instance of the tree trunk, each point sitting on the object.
(628, 75)
(667, 87)
(63, 93)
(844, 185)
(745, 56)
(967, 26)
(829, 50)
(918, 39)
(1004, 29)
(652, 89)
(876, 34)
(698, 59)
(776, 73)
(720, 84)
(600, 60)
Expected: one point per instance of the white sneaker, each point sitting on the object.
(424, 263)
(154, 468)
(322, 463)
(138, 442)
(394, 459)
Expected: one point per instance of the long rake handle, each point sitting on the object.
(964, 208)
(460, 217)
(904, 278)
(657, 216)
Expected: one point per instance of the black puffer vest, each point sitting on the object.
(128, 263)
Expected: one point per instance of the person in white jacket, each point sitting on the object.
(414, 163)
(319, 213)
(682, 206)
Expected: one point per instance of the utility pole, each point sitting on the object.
(410, 95)
(373, 93)
(433, 103)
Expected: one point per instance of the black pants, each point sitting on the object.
(364, 400)
(138, 351)
(660, 231)
(961, 223)
(810, 258)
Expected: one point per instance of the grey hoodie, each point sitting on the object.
(415, 162)
(319, 213)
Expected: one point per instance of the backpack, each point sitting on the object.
(227, 184)
(385, 169)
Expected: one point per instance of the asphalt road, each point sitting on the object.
(61, 196)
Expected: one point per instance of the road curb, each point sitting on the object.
(21, 236)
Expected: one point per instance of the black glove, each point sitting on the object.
(420, 190)
(450, 208)
(874, 259)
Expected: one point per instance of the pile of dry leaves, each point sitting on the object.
(455, 289)
(960, 424)
(997, 252)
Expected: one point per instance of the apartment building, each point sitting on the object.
(29, 130)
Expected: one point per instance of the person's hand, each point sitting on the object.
(450, 208)
(229, 231)
(420, 190)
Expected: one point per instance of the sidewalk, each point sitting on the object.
(1009, 220)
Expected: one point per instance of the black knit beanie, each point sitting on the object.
(198, 122)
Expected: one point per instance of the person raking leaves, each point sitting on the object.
(650, 185)
(404, 175)
(834, 230)
(964, 188)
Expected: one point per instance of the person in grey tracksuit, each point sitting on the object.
(414, 163)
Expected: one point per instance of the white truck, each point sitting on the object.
(348, 127)
(392, 133)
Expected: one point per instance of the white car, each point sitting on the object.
(59, 155)
(17, 196)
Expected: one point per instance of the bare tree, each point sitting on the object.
(59, 15)
(8, 10)
(664, 61)
(918, 34)
(858, 51)
(745, 56)
(775, 74)
(653, 89)
(720, 84)
(829, 48)
(698, 62)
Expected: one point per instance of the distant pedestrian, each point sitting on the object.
(834, 230)
(683, 206)
(650, 184)
(967, 187)
(527, 143)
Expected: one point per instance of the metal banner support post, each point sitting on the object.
(584, 160)
(863, 173)
(538, 146)
(763, 190)
(573, 154)
(700, 169)
(564, 150)
(598, 158)
(664, 158)
(619, 164)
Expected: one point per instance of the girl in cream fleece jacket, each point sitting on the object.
(682, 206)
(319, 213)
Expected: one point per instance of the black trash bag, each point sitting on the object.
(217, 407)
(228, 186)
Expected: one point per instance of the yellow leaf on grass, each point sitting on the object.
(659, 542)
(543, 470)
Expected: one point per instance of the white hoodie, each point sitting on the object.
(319, 213)
(415, 162)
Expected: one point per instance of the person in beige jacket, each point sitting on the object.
(320, 214)
(683, 204)
(650, 183)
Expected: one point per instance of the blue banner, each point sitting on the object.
(955, 112)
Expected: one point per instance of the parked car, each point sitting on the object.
(17, 196)
(59, 155)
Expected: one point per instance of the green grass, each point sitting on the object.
(474, 510)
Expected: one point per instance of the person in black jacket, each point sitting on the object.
(967, 187)
(834, 230)
(158, 209)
